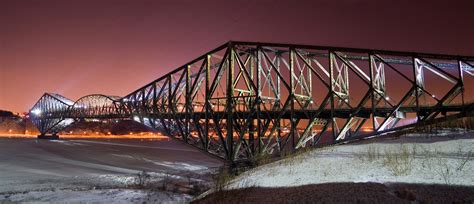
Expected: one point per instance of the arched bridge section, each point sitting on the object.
(53, 112)
(244, 99)
(96, 106)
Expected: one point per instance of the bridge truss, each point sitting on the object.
(244, 99)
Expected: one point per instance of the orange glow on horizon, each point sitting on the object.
(92, 136)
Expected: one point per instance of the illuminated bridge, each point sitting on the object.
(244, 99)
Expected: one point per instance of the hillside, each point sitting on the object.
(4, 113)
(411, 159)
(14, 124)
(440, 160)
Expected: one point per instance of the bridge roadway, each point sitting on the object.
(285, 114)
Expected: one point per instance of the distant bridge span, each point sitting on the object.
(245, 99)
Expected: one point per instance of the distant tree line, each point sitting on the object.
(4, 113)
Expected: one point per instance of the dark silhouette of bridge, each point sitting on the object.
(244, 99)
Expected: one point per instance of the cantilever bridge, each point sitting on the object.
(245, 99)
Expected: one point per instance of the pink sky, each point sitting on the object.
(76, 48)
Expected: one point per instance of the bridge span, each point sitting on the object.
(243, 100)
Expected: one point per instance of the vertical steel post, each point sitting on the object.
(253, 109)
(170, 103)
(259, 95)
(461, 80)
(187, 102)
(154, 106)
(371, 70)
(206, 101)
(292, 98)
(230, 93)
(415, 84)
(331, 85)
(142, 112)
(278, 97)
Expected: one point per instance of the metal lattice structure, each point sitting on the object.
(245, 99)
(53, 112)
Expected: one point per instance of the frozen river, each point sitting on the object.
(28, 164)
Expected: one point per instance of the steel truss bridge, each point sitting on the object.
(245, 99)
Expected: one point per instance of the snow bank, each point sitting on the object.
(424, 160)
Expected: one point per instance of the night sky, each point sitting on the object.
(76, 48)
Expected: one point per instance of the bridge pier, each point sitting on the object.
(48, 137)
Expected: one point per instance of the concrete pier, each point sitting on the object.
(49, 137)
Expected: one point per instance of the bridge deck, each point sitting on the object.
(285, 114)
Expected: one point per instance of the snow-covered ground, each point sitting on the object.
(416, 158)
(98, 196)
(100, 170)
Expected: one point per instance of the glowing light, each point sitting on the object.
(80, 106)
(131, 133)
(433, 96)
(387, 98)
(36, 111)
(136, 118)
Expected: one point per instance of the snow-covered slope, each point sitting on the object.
(409, 159)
